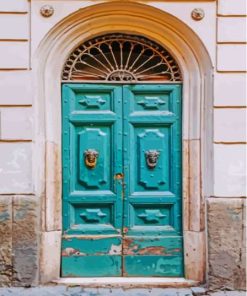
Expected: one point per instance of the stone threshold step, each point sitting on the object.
(133, 282)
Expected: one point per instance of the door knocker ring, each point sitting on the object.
(152, 158)
(90, 158)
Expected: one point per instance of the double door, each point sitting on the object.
(122, 187)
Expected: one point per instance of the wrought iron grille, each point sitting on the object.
(122, 58)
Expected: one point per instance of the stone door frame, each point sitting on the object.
(197, 70)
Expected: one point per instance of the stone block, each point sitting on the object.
(230, 89)
(229, 125)
(15, 168)
(16, 88)
(197, 212)
(186, 193)
(14, 55)
(13, 6)
(232, 29)
(20, 30)
(231, 57)
(50, 256)
(198, 291)
(229, 170)
(194, 259)
(5, 240)
(225, 240)
(25, 240)
(16, 123)
(230, 7)
(53, 187)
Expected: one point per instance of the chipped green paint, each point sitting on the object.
(157, 245)
(125, 211)
(101, 245)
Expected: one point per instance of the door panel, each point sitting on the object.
(152, 206)
(122, 180)
(92, 197)
(150, 139)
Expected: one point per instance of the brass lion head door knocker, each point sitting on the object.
(90, 158)
(152, 158)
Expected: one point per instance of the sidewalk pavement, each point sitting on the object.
(79, 291)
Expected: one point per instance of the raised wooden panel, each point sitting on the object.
(149, 215)
(97, 139)
(92, 218)
(93, 101)
(144, 102)
(149, 140)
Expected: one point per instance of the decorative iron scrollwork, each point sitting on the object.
(122, 58)
(90, 158)
(152, 158)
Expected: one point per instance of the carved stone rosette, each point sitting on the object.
(47, 11)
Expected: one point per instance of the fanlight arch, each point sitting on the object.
(123, 58)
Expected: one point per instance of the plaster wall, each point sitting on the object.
(22, 28)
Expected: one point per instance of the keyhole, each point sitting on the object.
(118, 176)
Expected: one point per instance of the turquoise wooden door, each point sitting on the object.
(122, 190)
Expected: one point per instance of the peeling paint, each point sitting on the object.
(152, 250)
(115, 249)
(71, 252)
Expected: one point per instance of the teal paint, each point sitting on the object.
(106, 217)
(153, 245)
(91, 266)
(159, 266)
(102, 245)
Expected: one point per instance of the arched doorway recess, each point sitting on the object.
(196, 69)
(121, 160)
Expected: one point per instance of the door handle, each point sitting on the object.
(152, 157)
(90, 158)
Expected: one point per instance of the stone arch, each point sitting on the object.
(196, 67)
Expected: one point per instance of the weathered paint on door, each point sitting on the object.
(122, 186)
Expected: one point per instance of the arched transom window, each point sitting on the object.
(121, 58)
